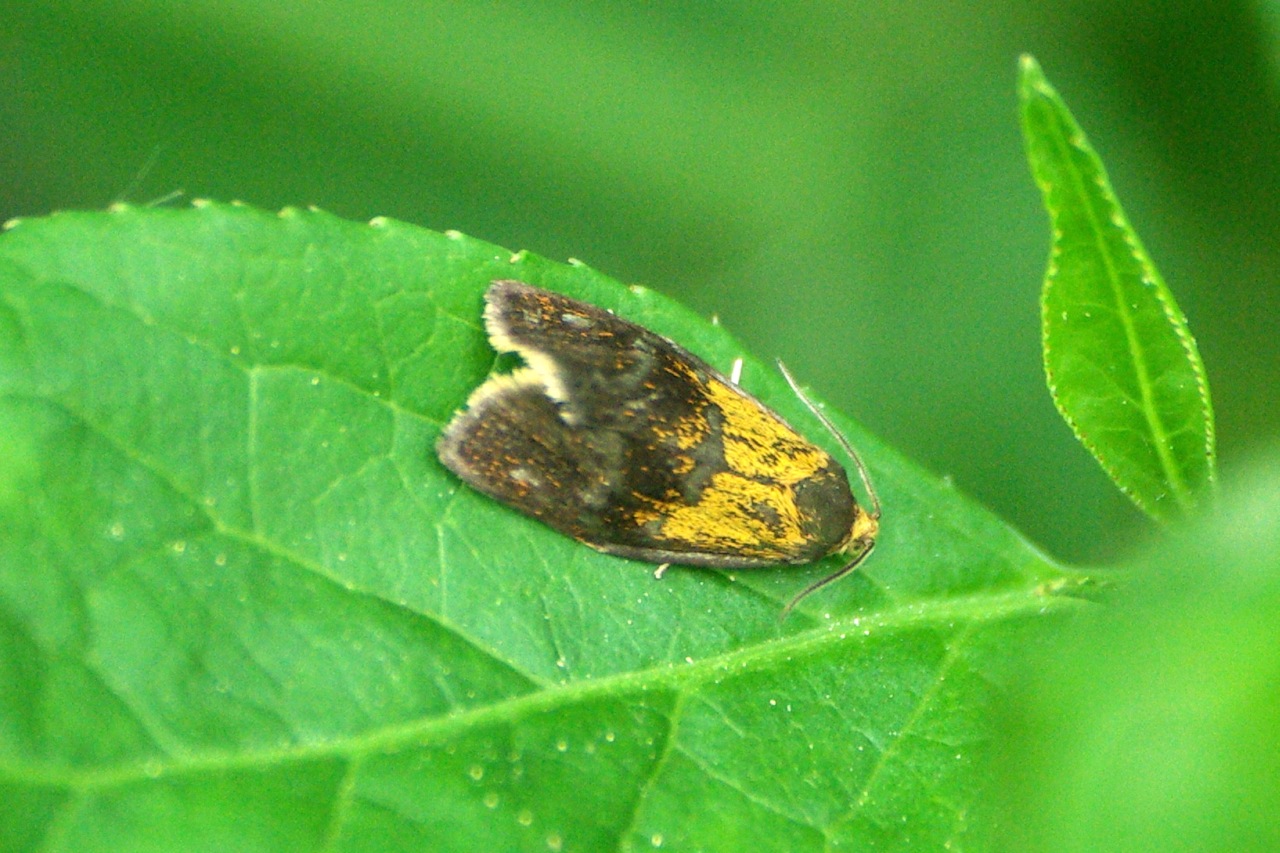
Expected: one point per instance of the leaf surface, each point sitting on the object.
(241, 602)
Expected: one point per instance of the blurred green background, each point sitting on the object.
(842, 183)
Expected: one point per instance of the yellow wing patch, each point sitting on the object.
(751, 508)
(759, 445)
(730, 517)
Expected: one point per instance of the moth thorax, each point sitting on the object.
(829, 512)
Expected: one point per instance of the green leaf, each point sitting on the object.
(1151, 724)
(243, 605)
(1122, 366)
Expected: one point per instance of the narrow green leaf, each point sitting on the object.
(1122, 366)
(241, 599)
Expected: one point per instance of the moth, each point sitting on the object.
(624, 440)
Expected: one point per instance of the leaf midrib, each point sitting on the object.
(969, 610)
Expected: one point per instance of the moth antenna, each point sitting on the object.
(853, 563)
(857, 462)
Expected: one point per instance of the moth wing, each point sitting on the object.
(625, 441)
(512, 444)
(601, 369)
